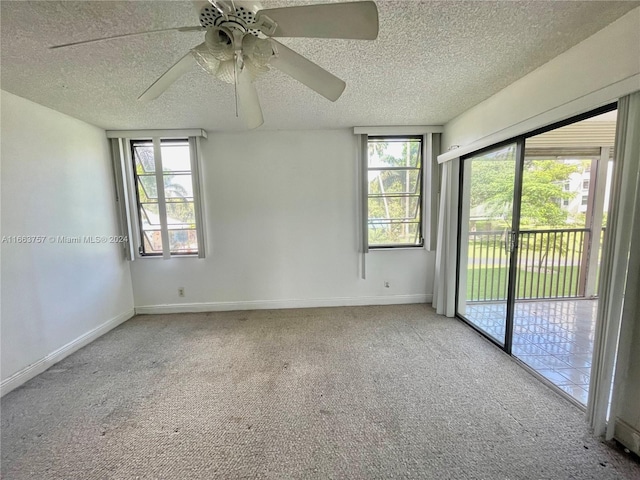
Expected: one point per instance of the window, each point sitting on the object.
(585, 200)
(394, 192)
(165, 198)
(585, 184)
(565, 202)
(158, 192)
(567, 186)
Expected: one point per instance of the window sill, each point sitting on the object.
(160, 257)
(395, 249)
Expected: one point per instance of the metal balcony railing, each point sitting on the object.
(551, 264)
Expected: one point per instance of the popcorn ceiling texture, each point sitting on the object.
(432, 61)
(333, 393)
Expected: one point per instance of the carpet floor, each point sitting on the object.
(331, 393)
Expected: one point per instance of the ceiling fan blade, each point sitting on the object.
(307, 72)
(181, 67)
(249, 102)
(177, 29)
(354, 20)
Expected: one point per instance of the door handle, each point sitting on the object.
(510, 241)
(513, 244)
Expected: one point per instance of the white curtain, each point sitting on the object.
(444, 288)
(431, 190)
(611, 346)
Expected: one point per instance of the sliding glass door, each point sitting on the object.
(531, 221)
(487, 240)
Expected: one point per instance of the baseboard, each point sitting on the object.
(628, 436)
(27, 373)
(280, 304)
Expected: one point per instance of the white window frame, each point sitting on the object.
(126, 188)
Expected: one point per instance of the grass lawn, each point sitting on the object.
(487, 283)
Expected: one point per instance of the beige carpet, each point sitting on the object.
(344, 393)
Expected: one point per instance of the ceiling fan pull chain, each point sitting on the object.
(238, 63)
(235, 81)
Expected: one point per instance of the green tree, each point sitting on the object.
(543, 192)
(492, 184)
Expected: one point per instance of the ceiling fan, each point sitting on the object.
(239, 46)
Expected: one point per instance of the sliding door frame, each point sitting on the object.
(519, 141)
(515, 213)
(515, 249)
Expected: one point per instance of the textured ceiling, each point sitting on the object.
(431, 61)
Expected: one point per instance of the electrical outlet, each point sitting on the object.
(386, 285)
(181, 291)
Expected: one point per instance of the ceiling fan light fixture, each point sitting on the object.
(219, 43)
(205, 59)
(260, 50)
(226, 71)
(255, 69)
(257, 53)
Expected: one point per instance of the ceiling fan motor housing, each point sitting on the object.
(241, 19)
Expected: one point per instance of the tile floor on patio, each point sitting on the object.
(554, 337)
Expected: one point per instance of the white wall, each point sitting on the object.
(56, 180)
(595, 72)
(282, 226)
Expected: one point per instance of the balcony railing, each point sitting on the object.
(550, 264)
